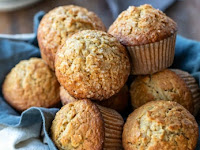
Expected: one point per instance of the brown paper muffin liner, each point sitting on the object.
(193, 86)
(113, 123)
(153, 57)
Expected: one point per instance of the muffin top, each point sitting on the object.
(31, 83)
(78, 125)
(92, 64)
(165, 85)
(160, 125)
(142, 25)
(60, 23)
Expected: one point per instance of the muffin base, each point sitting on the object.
(153, 57)
(113, 123)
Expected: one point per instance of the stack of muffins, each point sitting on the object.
(91, 71)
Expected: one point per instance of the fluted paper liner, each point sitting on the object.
(193, 86)
(153, 57)
(113, 123)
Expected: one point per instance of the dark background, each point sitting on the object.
(185, 12)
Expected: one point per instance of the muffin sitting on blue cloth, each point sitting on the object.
(31, 83)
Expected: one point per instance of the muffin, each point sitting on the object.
(165, 85)
(192, 85)
(60, 23)
(92, 64)
(149, 36)
(117, 102)
(31, 83)
(84, 125)
(162, 125)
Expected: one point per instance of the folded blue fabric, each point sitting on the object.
(12, 52)
(187, 57)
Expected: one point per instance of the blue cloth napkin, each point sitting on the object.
(187, 57)
(11, 53)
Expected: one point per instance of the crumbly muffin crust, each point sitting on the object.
(60, 23)
(142, 25)
(165, 85)
(160, 125)
(78, 125)
(31, 83)
(92, 64)
(193, 86)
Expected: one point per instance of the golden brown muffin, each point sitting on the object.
(142, 25)
(31, 83)
(60, 23)
(192, 85)
(92, 64)
(117, 102)
(84, 125)
(165, 85)
(149, 35)
(160, 125)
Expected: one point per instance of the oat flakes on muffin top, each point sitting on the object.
(142, 25)
(165, 85)
(160, 125)
(92, 64)
(60, 23)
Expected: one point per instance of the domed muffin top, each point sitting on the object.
(160, 125)
(163, 85)
(92, 64)
(142, 25)
(31, 83)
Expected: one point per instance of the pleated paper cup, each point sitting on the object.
(113, 123)
(193, 86)
(153, 57)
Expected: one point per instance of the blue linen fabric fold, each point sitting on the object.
(38, 119)
(187, 57)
